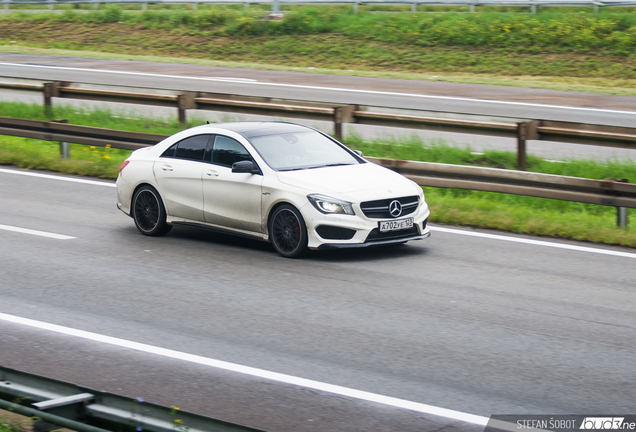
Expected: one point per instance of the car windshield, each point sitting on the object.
(300, 150)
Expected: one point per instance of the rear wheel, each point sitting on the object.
(149, 213)
(287, 232)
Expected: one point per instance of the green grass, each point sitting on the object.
(536, 216)
(85, 160)
(6, 427)
(571, 50)
(581, 31)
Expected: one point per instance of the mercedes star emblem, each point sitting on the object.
(395, 208)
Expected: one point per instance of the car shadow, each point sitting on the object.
(371, 253)
(211, 236)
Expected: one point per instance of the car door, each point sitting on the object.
(231, 200)
(178, 174)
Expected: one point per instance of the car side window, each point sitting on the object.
(226, 151)
(191, 148)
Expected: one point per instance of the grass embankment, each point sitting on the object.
(450, 206)
(574, 49)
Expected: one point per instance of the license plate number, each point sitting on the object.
(396, 225)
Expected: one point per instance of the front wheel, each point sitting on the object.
(149, 213)
(287, 232)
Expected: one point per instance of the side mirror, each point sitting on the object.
(359, 153)
(246, 166)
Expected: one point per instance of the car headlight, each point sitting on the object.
(325, 204)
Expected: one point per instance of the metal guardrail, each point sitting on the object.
(532, 4)
(84, 409)
(518, 129)
(63, 132)
(609, 192)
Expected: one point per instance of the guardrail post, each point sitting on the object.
(144, 6)
(525, 131)
(622, 217)
(185, 102)
(51, 90)
(194, 6)
(64, 150)
(5, 8)
(355, 7)
(50, 2)
(413, 7)
(343, 114)
(595, 8)
(276, 7)
(522, 132)
(472, 8)
(533, 9)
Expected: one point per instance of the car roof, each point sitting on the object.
(254, 129)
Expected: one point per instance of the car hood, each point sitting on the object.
(348, 181)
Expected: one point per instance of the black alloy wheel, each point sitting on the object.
(149, 213)
(287, 232)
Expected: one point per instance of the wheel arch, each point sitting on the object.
(139, 186)
(272, 210)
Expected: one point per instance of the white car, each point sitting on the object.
(280, 182)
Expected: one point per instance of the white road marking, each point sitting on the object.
(247, 370)
(433, 228)
(57, 177)
(239, 80)
(35, 232)
(535, 242)
(337, 89)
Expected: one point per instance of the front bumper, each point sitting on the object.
(374, 243)
(365, 231)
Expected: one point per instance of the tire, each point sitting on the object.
(149, 213)
(287, 232)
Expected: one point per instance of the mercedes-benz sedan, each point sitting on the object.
(280, 182)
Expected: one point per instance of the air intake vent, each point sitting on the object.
(335, 233)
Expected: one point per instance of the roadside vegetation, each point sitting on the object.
(505, 212)
(566, 48)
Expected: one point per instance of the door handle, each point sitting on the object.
(167, 168)
(212, 173)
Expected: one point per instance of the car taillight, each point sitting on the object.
(121, 168)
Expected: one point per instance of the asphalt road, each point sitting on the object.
(479, 325)
(483, 100)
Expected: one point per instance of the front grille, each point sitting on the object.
(375, 235)
(379, 209)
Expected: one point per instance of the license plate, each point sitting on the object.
(396, 225)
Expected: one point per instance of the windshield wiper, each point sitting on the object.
(295, 169)
(339, 164)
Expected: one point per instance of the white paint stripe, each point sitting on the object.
(259, 373)
(233, 79)
(57, 177)
(35, 232)
(535, 242)
(347, 90)
(433, 228)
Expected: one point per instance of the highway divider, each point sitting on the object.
(532, 4)
(610, 192)
(520, 130)
(85, 409)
